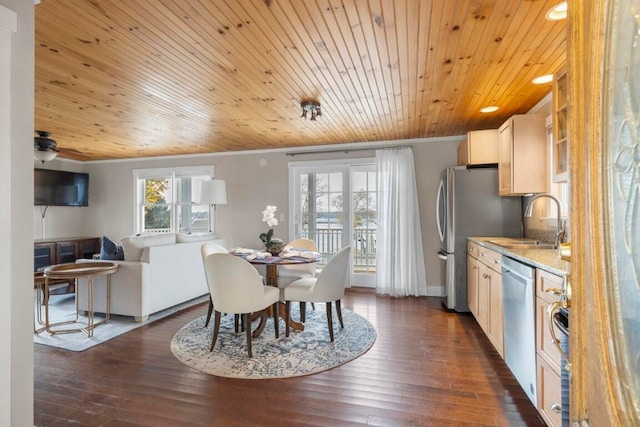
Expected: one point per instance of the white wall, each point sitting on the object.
(16, 247)
(250, 187)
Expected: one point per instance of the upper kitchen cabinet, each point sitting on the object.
(522, 155)
(480, 148)
(560, 120)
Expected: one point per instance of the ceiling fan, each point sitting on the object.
(46, 149)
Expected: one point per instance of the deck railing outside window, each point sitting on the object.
(329, 241)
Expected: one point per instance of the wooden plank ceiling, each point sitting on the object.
(119, 79)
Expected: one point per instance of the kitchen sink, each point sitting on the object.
(528, 245)
(525, 244)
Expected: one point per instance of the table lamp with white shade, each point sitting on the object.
(213, 192)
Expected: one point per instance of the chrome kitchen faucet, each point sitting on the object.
(529, 211)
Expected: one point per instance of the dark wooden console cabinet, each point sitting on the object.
(61, 250)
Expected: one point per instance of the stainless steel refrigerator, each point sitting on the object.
(468, 205)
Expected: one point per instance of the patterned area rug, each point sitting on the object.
(302, 353)
(62, 308)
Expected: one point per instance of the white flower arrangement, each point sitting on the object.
(271, 244)
(269, 215)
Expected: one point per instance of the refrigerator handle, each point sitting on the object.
(440, 195)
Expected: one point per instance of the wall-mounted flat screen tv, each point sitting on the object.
(60, 188)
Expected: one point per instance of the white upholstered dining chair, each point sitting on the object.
(328, 287)
(290, 273)
(236, 287)
(207, 249)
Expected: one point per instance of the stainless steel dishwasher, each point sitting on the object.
(519, 323)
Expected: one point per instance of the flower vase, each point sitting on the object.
(274, 246)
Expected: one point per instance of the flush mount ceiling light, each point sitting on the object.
(45, 148)
(546, 78)
(557, 12)
(489, 109)
(312, 107)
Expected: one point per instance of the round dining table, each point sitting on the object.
(271, 263)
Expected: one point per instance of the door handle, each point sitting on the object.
(551, 310)
(563, 293)
(564, 301)
(439, 197)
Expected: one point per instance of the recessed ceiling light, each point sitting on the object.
(557, 12)
(490, 109)
(547, 78)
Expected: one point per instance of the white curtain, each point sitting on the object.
(400, 258)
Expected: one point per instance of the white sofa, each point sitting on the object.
(158, 272)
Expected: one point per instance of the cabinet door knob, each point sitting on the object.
(556, 407)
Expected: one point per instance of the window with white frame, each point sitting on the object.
(558, 189)
(167, 200)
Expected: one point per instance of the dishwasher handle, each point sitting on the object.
(522, 277)
(521, 270)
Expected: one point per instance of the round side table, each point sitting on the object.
(88, 271)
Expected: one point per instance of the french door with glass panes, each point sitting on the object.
(334, 204)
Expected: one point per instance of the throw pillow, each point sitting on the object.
(110, 250)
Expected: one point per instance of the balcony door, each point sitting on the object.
(333, 203)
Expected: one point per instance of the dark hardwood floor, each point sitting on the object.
(427, 367)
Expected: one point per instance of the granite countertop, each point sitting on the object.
(546, 259)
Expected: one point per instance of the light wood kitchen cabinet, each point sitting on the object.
(480, 148)
(544, 343)
(549, 393)
(522, 155)
(496, 317)
(560, 153)
(487, 290)
(548, 356)
(483, 299)
(490, 290)
(472, 283)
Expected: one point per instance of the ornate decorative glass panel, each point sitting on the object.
(622, 171)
